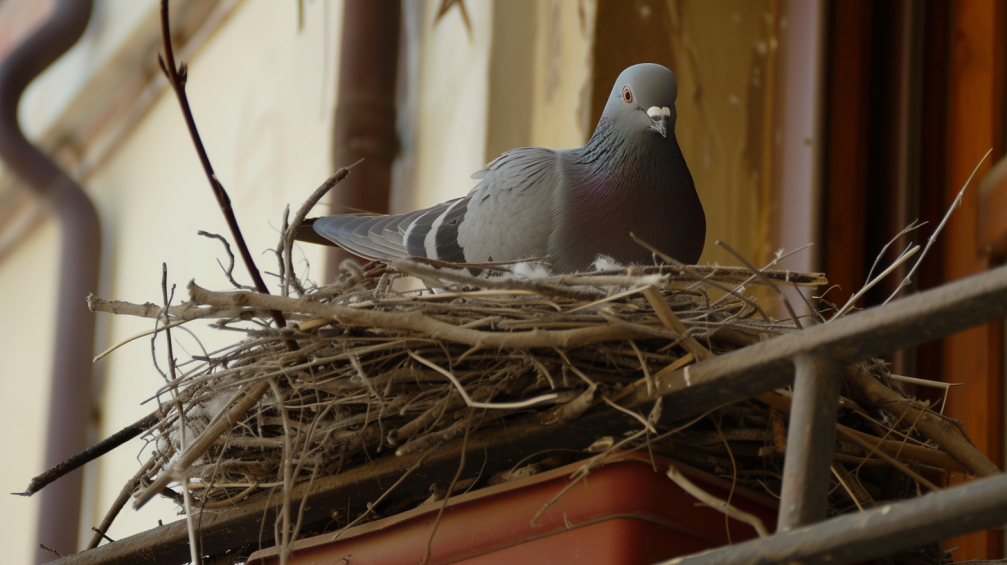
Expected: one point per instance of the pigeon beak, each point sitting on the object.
(659, 118)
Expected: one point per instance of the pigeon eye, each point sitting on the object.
(627, 94)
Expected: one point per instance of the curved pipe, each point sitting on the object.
(69, 405)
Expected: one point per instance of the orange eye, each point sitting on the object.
(627, 94)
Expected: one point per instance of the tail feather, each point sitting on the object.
(431, 233)
(368, 235)
(349, 232)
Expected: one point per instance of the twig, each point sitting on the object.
(762, 277)
(572, 409)
(136, 336)
(676, 365)
(929, 424)
(418, 322)
(946, 387)
(194, 553)
(744, 276)
(853, 299)
(283, 261)
(613, 298)
(473, 404)
(637, 277)
(775, 275)
(101, 535)
(580, 374)
(203, 442)
(90, 454)
(451, 488)
(229, 270)
(671, 321)
(371, 506)
(304, 504)
(119, 503)
(288, 457)
(807, 303)
(716, 503)
(923, 382)
(647, 425)
(692, 272)
(933, 237)
(873, 449)
(911, 227)
(846, 487)
(667, 258)
(167, 330)
(302, 213)
(187, 311)
(177, 77)
(643, 367)
(734, 473)
(925, 455)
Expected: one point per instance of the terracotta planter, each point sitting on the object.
(623, 513)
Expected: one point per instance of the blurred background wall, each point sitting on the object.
(803, 121)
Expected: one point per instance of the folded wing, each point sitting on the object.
(508, 216)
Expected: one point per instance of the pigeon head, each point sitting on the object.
(643, 101)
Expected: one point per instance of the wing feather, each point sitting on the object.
(510, 213)
(507, 216)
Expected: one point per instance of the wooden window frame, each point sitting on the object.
(973, 236)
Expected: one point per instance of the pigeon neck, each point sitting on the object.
(619, 184)
(614, 164)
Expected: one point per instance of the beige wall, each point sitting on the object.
(28, 286)
(264, 108)
(463, 113)
(263, 97)
(446, 132)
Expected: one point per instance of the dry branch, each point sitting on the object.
(418, 323)
(930, 424)
(716, 503)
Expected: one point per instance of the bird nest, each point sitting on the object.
(379, 372)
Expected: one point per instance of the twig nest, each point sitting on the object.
(381, 372)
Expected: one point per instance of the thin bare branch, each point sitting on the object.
(933, 237)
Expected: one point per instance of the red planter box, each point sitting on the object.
(623, 513)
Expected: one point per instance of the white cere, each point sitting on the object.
(655, 112)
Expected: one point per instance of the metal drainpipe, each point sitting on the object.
(365, 110)
(69, 402)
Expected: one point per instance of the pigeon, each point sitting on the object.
(564, 207)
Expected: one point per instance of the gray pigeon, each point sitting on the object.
(565, 207)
